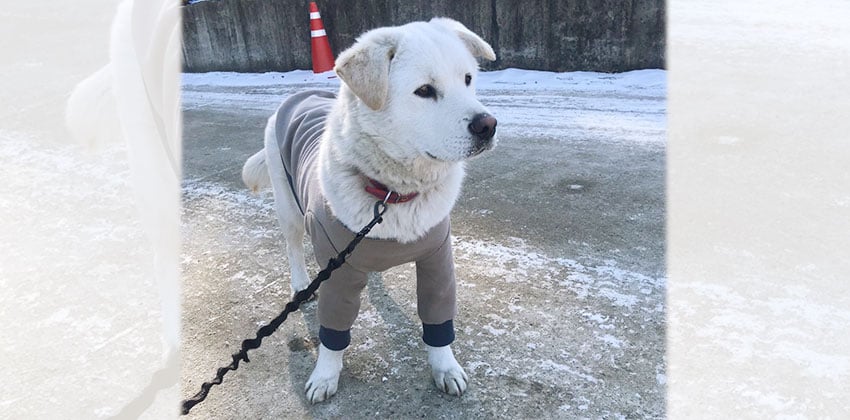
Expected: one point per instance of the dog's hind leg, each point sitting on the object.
(288, 213)
(292, 224)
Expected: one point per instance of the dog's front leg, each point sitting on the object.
(447, 373)
(325, 377)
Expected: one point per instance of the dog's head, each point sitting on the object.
(415, 86)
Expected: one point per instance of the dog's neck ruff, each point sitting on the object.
(383, 192)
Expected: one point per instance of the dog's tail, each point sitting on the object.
(255, 173)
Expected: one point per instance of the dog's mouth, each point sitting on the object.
(438, 159)
(475, 152)
(471, 153)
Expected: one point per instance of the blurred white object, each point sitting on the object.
(135, 97)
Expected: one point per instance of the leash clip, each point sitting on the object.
(380, 208)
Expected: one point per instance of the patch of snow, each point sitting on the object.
(472, 366)
(518, 263)
(236, 201)
(611, 340)
(549, 365)
(572, 106)
(494, 331)
(816, 364)
(269, 79)
(768, 399)
(651, 80)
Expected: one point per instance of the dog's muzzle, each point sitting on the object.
(483, 128)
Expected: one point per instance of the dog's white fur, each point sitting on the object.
(379, 128)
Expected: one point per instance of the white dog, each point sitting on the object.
(405, 119)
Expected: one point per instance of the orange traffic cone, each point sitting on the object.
(323, 58)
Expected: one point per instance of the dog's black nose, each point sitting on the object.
(483, 127)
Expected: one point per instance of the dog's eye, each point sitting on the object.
(468, 79)
(426, 91)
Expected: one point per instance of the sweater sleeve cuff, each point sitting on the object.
(333, 339)
(438, 335)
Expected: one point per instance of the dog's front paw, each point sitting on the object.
(325, 377)
(320, 388)
(448, 375)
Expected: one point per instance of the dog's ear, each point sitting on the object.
(477, 46)
(365, 66)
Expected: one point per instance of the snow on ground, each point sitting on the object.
(571, 331)
(570, 338)
(538, 103)
(79, 305)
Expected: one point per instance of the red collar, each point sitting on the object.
(384, 193)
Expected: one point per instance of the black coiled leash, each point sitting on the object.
(300, 297)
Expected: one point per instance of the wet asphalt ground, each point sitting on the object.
(559, 248)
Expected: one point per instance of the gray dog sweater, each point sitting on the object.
(299, 127)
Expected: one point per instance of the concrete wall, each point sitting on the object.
(555, 35)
